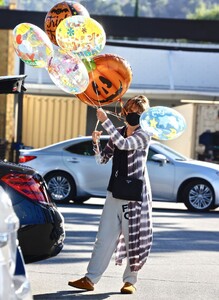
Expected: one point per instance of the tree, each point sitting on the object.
(43, 5)
(204, 13)
(2, 3)
(207, 9)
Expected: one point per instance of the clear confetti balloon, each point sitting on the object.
(68, 72)
(163, 123)
(81, 35)
(32, 45)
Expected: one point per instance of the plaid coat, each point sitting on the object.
(140, 213)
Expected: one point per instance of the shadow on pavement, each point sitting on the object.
(68, 295)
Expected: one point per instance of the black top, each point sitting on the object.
(120, 163)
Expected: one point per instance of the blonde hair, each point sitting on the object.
(138, 104)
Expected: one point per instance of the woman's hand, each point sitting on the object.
(101, 115)
(96, 136)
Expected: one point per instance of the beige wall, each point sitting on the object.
(49, 119)
(185, 143)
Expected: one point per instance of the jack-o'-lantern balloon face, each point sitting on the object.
(104, 90)
(60, 12)
(109, 78)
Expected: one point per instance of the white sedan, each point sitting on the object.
(14, 281)
(71, 173)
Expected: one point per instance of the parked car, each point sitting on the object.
(14, 281)
(71, 172)
(41, 229)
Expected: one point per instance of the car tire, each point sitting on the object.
(61, 186)
(199, 196)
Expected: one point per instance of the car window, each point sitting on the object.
(151, 152)
(84, 148)
(165, 150)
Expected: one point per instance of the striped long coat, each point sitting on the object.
(140, 213)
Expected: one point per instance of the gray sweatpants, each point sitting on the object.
(114, 220)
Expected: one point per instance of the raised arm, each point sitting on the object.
(138, 140)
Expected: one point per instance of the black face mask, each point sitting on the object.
(132, 119)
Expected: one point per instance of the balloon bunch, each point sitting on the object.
(69, 50)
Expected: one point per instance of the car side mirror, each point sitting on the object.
(159, 158)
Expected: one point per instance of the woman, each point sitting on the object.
(125, 226)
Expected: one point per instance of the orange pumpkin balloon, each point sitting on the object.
(60, 12)
(109, 78)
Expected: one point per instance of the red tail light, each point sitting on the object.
(23, 159)
(27, 185)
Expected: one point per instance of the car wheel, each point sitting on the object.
(61, 187)
(198, 196)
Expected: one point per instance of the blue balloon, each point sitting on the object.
(163, 123)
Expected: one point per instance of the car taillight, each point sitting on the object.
(28, 186)
(23, 159)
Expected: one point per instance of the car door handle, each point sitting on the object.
(73, 160)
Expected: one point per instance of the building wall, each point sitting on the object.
(168, 71)
(50, 119)
(7, 101)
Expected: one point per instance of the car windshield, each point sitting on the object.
(165, 150)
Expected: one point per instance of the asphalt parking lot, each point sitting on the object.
(183, 264)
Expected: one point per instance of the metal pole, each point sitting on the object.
(136, 12)
(19, 113)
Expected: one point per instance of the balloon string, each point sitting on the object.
(96, 125)
(114, 114)
(91, 101)
(109, 112)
